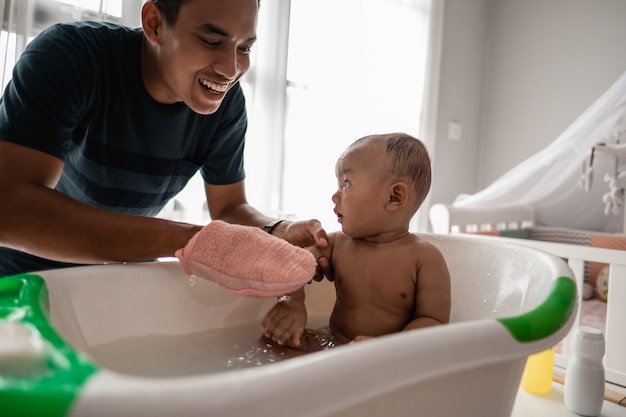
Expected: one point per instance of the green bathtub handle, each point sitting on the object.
(548, 317)
(52, 390)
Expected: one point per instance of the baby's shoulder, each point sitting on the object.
(422, 247)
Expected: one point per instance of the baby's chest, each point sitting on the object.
(378, 279)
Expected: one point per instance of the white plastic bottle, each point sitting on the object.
(584, 377)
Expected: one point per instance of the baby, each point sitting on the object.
(386, 278)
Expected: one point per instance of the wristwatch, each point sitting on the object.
(269, 228)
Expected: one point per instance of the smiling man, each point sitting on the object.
(103, 124)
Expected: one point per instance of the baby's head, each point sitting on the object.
(406, 159)
(387, 174)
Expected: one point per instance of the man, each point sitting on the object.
(102, 125)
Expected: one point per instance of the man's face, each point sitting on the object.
(206, 52)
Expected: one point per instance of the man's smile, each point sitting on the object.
(214, 87)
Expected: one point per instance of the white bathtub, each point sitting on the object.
(501, 292)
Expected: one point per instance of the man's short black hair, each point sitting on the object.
(170, 9)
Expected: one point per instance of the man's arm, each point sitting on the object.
(41, 221)
(229, 203)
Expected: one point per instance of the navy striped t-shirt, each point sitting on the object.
(77, 94)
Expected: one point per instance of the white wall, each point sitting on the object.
(515, 74)
(455, 163)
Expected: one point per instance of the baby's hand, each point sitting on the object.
(360, 338)
(285, 321)
(324, 267)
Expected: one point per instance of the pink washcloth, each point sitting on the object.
(246, 260)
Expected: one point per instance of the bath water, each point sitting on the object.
(215, 350)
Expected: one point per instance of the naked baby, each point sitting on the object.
(387, 279)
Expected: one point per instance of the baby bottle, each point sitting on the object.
(537, 377)
(583, 389)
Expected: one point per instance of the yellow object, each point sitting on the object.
(537, 377)
(602, 284)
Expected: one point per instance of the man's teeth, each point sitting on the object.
(220, 88)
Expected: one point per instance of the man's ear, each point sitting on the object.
(398, 195)
(151, 21)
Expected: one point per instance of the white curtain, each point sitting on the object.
(550, 180)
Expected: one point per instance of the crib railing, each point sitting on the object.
(615, 332)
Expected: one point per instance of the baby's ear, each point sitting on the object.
(398, 195)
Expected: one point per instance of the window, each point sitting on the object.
(93, 8)
(355, 67)
(22, 20)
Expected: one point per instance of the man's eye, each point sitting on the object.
(209, 42)
(245, 50)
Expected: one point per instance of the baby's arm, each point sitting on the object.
(286, 319)
(432, 298)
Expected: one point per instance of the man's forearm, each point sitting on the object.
(243, 214)
(46, 223)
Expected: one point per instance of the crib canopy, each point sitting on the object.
(565, 183)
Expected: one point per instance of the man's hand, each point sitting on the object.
(305, 234)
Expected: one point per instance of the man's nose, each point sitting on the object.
(226, 64)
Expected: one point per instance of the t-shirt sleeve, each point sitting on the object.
(49, 89)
